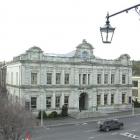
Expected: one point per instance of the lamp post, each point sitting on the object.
(107, 31)
(41, 111)
(133, 111)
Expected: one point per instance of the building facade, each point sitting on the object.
(3, 75)
(77, 79)
(136, 88)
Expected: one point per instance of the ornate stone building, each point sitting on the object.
(77, 79)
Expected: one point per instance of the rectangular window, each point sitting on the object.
(123, 79)
(112, 78)
(123, 98)
(48, 102)
(112, 98)
(58, 78)
(105, 99)
(33, 78)
(33, 102)
(98, 99)
(99, 79)
(135, 83)
(106, 79)
(66, 78)
(57, 101)
(84, 79)
(49, 78)
(79, 79)
(66, 100)
(88, 79)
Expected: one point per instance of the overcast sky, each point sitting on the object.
(58, 26)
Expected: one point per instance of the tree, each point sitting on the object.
(14, 119)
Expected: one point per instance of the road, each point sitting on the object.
(89, 131)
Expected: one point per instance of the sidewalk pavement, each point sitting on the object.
(71, 121)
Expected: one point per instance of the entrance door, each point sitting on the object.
(82, 101)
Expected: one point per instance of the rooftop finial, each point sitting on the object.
(84, 41)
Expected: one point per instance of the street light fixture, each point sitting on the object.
(107, 31)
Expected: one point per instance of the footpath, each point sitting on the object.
(71, 121)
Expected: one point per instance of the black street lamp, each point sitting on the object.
(107, 31)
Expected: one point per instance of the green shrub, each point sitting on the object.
(136, 103)
(53, 114)
(44, 115)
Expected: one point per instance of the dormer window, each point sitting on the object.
(84, 50)
(84, 54)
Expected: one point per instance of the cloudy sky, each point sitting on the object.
(58, 26)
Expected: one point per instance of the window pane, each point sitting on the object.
(112, 78)
(66, 100)
(57, 101)
(106, 79)
(34, 78)
(98, 99)
(123, 98)
(33, 102)
(112, 98)
(84, 78)
(123, 79)
(66, 78)
(58, 78)
(105, 99)
(48, 102)
(79, 79)
(99, 79)
(88, 79)
(135, 83)
(49, 78)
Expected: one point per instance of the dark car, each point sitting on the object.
(110, 125)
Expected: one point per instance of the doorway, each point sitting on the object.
(83, 100)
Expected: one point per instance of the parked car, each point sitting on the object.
(110, 125)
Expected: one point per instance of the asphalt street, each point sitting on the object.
(89, 131)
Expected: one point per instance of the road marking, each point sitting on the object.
(127, 134)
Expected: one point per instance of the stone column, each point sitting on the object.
(120, 80)
(117, 76)
(72, 76)
(109, 98)
(62, 100)
(53, 100)
(102, 98)
(54, 77)
(62, 77)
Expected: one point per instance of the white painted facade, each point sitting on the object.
(81, 77)
(136, 87)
